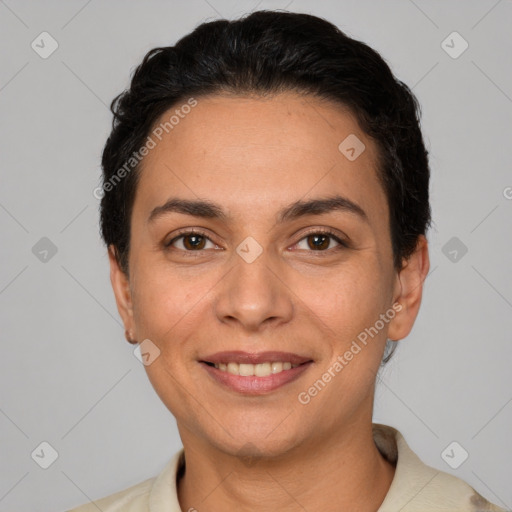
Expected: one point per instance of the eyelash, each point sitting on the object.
(181, 234)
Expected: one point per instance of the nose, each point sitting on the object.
(253, 296)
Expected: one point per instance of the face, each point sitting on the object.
(272, 273)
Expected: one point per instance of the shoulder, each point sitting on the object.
(132, 499)
(157, 493)
(418, 487)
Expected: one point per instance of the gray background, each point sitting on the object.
(68, 377)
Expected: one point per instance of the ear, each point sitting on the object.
(122, 293)
(408, 291)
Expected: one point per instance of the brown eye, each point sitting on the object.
(320, 241)
(317, 242)
(190, 241)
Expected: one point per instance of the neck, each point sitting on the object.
(343, 471)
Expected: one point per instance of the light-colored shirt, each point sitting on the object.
(416, 487)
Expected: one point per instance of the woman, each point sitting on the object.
(265, 207)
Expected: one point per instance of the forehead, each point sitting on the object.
(256, 154)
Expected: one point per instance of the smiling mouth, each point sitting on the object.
(254, 370)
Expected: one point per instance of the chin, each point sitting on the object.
(246, 439)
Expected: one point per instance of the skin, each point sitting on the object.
(254, 156)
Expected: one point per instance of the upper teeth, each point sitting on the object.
(259, 370)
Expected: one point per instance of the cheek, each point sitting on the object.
(161, 299)
(168, 310)
(347, 300)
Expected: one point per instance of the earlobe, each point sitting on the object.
(409, 290)
(122, 293)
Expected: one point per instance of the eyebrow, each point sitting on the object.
(209, 210)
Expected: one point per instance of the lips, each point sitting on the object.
(254, 384)
(242, 357)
